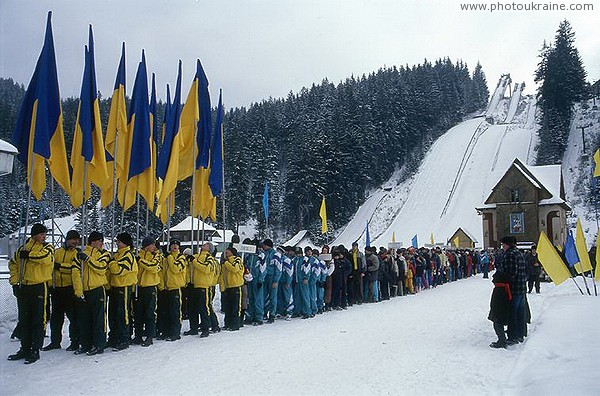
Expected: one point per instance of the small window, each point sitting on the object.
(514, 196)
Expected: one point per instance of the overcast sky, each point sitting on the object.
(254, 49)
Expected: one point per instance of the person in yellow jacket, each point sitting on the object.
(233, 280)
(123, 276)
(150, 265)
(202, 274)
(175, 279)
(63, 296)
(89, 278)
(30, 270)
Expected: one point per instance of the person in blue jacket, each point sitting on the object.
(257, 267)
(315, 274)
(305, 287)
(285, 303)
(272, 259)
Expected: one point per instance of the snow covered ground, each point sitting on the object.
(435, 342)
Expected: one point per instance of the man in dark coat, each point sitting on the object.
(514, 267)
(534, 269)
(500, 312)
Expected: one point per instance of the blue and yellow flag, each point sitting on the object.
(155, 137)
(38, 133)
(116, 135)
(205, 203)
(167, 167)
(141, 176)
(190, 114)
(88, 146)
(216, 166)
(597, 163)
(367, 237)
(414, 242)
(570, 250)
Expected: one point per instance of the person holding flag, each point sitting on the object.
(30, 271)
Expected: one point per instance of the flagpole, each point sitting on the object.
(22, 266)
(581, 291)
(584, 278)
(137, 228)
(169, 204)
(223, 166)
(83, 207)
(114, 203)
(193, 195)
(52, 208)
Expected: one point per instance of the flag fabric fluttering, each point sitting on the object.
(265, 201)
(431, 239)
(597, 162)
(551, 261)
(38, 133)
(367, 236)
(140, 176)
(205, 203)
(570, 250)
(190, 114)
(393, 236)
(414, 242)
(323, 215)
(167, 167)
(155, 137)
(215, 179)
(88, 146)
(456, 241)
(581, 245)
(116, 135)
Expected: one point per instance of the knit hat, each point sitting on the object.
(174, 241)
(39, 228)
(125, 238)
(268, 242)
(95, 236)
(147, 241)
(187, 252)
(72, 234)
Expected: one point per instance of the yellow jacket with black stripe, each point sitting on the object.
(233, 272)
(174, 272)
(94, 270)
(204, 268)
(150, 264)
(64, 256)
(37, 268)
(123, 268)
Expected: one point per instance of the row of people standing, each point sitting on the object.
(137, 294)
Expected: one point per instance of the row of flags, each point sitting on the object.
(128, 158)
(575, 252)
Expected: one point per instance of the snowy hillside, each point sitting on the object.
(458, 172)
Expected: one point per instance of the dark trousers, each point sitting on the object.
(355, 288)
(384, 289)
(161, 316)
(91, 319)
(516, 328)
(118, 314)
(173, 313)
(339, 292)
(214, 321)
(499, 329)
(32, 315)
(534, 280)
(145, 312)
(198, 306)
(63, 304)
(232, 305)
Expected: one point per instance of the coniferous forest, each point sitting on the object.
(333, 140)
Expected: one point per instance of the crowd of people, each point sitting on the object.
(145, 294)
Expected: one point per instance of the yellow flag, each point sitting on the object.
(394, 237)
(323, 215)
(456, 241)
(582, 252)
(551, 261)
(597, 161)
(431, 239)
